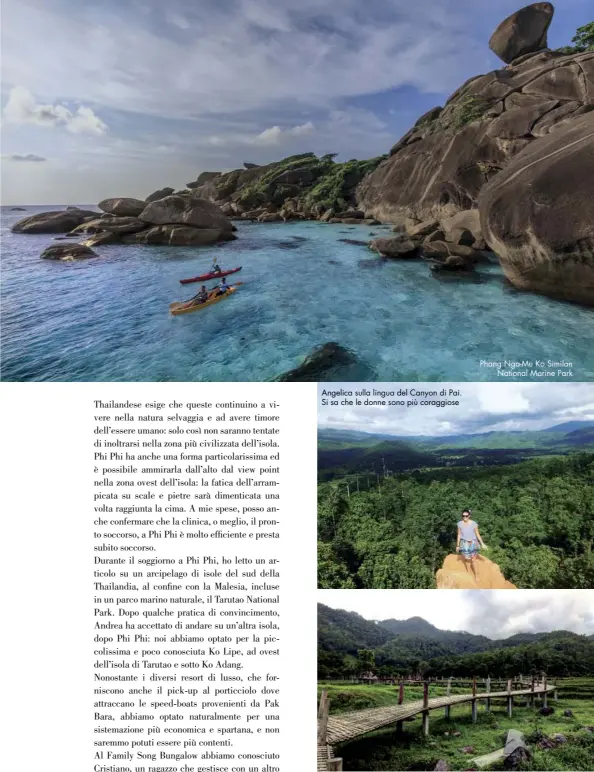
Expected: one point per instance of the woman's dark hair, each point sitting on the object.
(467, 510)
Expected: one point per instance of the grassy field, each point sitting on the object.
(384, 751)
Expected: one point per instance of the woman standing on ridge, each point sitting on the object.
(469, 541)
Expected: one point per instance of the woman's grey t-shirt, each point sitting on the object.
(467, 530)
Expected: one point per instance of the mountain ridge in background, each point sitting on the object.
(343, 452)
(410, 644)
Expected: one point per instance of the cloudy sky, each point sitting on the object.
(483, 407)
(104, 98)
(494, 613)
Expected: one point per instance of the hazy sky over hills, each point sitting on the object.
(119, 98)
(483, 407)
(494, 613)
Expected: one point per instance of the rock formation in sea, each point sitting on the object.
(158, 194)
(169, 220)
(324, 362)
(299, 187)
(538, 214)
(66, 252)
(53, 222)
(516, 140)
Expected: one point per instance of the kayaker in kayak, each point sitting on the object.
(216, 268)
(200, 297)
(223, 287)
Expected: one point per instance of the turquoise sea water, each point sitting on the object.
(106, 319)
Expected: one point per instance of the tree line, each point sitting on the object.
(559, 655)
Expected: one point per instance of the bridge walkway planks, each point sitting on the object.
(346, 726)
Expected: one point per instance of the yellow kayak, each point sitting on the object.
(186, 308)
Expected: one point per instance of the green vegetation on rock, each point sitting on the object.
(319, 183)
(583, 40)
(335, 188)
(262, 192)
(468, 109)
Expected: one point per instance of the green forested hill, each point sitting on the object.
(347, 632)
(348, 644)
(536, 516)
(343, 452)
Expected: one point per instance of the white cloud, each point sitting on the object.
(275, 135)
(212, 58)
(482, 407)
(494, 613)
(22, 108)
(84, 121)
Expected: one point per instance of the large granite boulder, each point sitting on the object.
(158, 194)
(440, 166)
(66, 252)
(320, 363)
(110, 223)
(179, 236)
(100, 238)
(123, 207)
(394, 247)
(180, 210)
(524, 32)
(61, 221)
(464, 228)
(538, 214)
(206, 177)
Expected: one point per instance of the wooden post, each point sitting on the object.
(533, 696)
(323, 718)
(509, 699)
(488, 685)
(473, 704)
(447, 707)
(400, 724)
(425, 705)
(555, 695)
(544, 694)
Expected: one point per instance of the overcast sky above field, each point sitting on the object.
(119, 98)
(483, 407)
(494, 613)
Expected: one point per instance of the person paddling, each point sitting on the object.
(223, 287)
(216, 268)
(469, 541)
(200, 297)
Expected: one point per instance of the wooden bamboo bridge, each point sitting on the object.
(348, 726)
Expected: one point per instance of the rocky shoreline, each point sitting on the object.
(506, 165)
